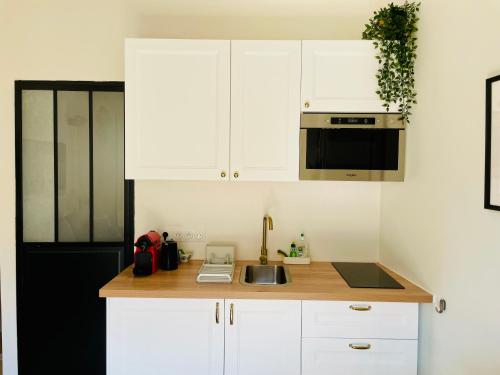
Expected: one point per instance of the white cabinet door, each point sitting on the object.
(177, 112)
(262, 337)
(265, 110)
(359, 357)
(339, 76)
(354, 319)
(153, 336)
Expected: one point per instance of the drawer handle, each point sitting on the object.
(360, 346)
(360, 308)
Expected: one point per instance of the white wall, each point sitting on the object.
(434, 229)
(340, 220)
(83, 40)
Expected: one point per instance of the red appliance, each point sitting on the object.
(147, 254)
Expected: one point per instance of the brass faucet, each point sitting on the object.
(266, 222)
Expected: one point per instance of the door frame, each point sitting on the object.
(21, 247)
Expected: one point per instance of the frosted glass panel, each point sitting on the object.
(38, 165)
(73, 165)
(108, 119)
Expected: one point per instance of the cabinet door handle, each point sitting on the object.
(217, 313)
(223, 174)
(360, 307)
(360, 346)
(236, 175)
(231, 314)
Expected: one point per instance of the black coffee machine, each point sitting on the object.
(169, 255)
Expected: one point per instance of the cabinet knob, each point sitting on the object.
(236, 175)
(307, 104)
(223, 174)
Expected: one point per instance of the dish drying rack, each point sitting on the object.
(218, 266)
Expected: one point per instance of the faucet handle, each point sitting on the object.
(263, 259)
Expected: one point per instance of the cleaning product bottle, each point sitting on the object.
(302, 246)
(293, 250)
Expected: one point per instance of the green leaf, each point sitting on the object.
(393, 30)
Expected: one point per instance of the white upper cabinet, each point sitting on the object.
(340, 76)
(230, 110)
(265, 110)
(177, 109)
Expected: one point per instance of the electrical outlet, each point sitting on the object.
(188, 236)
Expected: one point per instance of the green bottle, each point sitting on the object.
(293, 250)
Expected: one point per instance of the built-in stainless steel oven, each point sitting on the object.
(359, 147)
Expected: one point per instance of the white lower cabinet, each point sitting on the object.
(263, 337)
(160, 336)
(157, 336)
(330, 356)
(379, 320)
(359, 338)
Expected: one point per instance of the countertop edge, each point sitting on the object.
(122, 287)
(266, 295)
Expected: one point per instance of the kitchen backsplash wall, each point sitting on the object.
(340, 219)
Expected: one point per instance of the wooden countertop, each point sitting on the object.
(317, 281)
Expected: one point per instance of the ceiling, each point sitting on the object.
(280, 8)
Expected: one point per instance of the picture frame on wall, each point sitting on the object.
(492, 165)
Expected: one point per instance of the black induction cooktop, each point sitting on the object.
(365, 275)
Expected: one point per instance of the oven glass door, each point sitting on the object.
(359, 154)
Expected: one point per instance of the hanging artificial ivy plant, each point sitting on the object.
(393, 31)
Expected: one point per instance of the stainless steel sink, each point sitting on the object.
(264, 275)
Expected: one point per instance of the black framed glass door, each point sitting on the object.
(74, 220)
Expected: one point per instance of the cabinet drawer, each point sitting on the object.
(350, 319)
(324, 356)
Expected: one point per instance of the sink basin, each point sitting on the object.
(264, 275)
